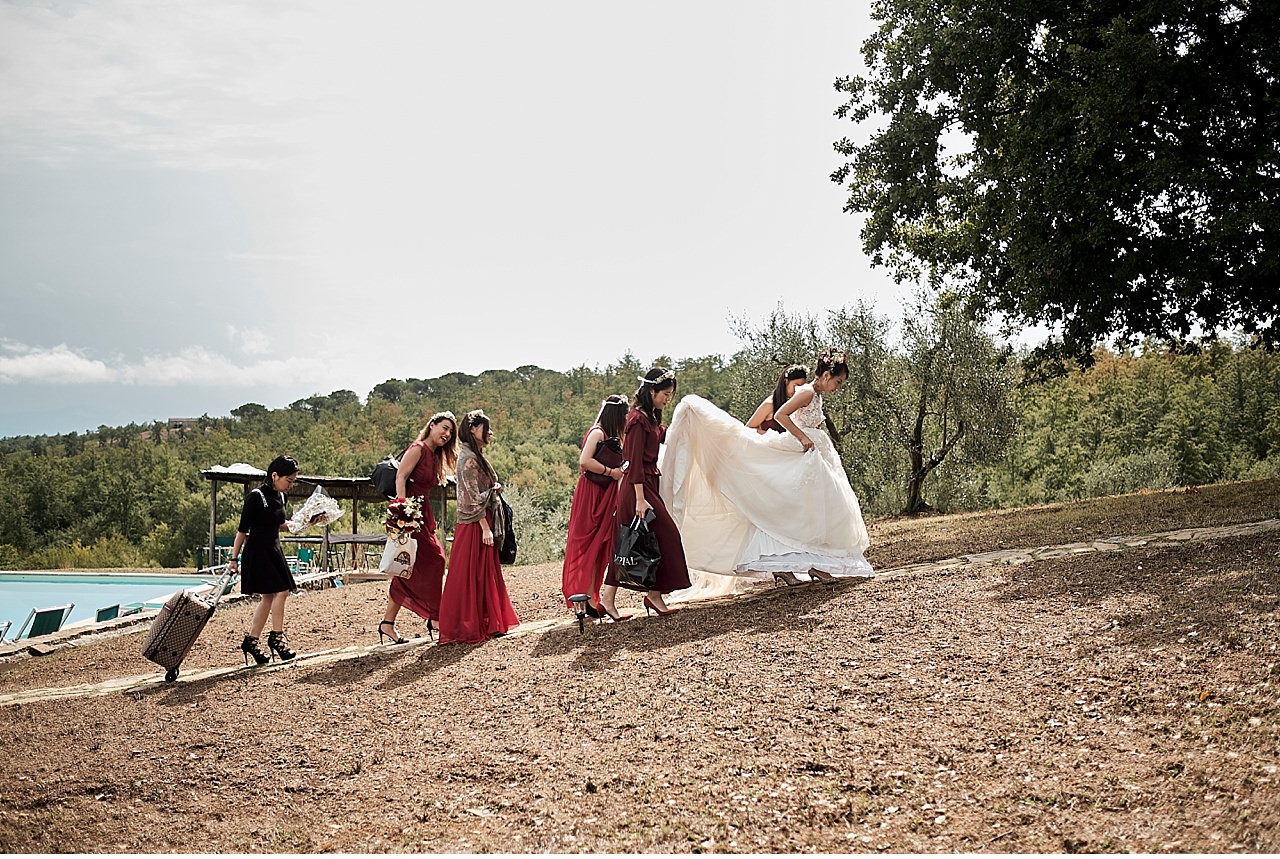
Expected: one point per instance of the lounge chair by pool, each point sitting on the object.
(43, 621)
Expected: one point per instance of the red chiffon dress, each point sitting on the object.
(593, 528)
(475, 606)
(640, 448)
(420, 592)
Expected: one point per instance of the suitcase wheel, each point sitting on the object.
(171, 675)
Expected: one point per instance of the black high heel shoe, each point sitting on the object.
(249, 647)
(275, 642)
(431, 630)
(393, 635)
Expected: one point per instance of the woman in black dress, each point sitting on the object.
(262, 567)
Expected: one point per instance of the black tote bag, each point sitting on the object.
(636, 554)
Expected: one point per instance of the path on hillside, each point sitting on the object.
(1011, 557)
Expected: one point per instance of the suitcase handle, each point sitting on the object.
(224, 583)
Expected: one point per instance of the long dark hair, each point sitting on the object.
(657, 379)
(472, 419)
(448, 451)
(613, 415)
(795, 371)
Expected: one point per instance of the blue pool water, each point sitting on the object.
(22, 591)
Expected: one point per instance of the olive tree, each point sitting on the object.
(941, 393)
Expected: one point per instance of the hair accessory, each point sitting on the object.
(670, 374)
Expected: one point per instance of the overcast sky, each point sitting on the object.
(208, 204)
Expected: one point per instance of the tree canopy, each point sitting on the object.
(1109, 167)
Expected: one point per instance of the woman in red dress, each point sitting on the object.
(593, 522)
(763, 419)
(475, 606)
(422, 468)
(638, 491)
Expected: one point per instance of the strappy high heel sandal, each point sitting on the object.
(393, 635)
(788, 580)
(250, 647)
(275, 642)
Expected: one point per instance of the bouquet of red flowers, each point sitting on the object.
(404, 516)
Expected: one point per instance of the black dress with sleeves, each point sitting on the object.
(263, 569)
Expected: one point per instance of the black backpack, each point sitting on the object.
(507, 552)
(384, 476)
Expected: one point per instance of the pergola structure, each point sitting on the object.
(353, 489)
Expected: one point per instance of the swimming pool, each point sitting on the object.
(22, 591)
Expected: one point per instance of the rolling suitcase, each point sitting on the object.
(179, 624)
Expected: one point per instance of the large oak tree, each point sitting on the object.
(1107, 167)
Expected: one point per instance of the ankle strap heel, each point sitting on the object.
(250, 647)
(275, 641)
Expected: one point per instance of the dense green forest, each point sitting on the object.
(1153, 418)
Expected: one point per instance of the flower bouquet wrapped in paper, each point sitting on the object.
(404, 519)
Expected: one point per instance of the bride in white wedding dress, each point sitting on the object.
(754, 507)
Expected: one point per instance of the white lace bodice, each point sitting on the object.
(810, 416)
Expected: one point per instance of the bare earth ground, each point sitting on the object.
(1113, 701)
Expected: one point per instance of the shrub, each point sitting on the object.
(1150, 470)
(541, 523)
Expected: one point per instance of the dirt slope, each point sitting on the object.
(1125, 700)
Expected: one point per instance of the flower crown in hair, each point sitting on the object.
(670, 374)
(834, 356)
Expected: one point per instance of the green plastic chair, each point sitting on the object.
(43, 621)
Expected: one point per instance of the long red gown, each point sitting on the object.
(420, 592)
(475, 606)
(593, 528)
(640, 448)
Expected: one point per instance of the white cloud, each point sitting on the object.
(58, 365)
(193, 366)
(206, 86)
(252, 341)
